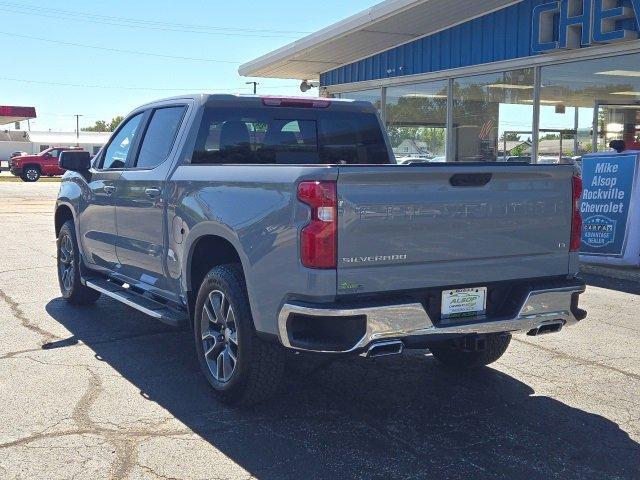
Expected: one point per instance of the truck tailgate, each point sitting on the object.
(413, 227)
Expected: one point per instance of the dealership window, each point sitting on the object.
(490, 111)
(374, 96)
(416, 117)
(573, 95)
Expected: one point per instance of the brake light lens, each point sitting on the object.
(295, 102)
(576, 221)
(319, 238)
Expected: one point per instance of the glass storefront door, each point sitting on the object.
(618, 122)
(598, 95)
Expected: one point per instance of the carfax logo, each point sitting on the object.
(599, 231)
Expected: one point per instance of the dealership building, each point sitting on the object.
(465, 80)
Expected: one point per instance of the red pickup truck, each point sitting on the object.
(31, 167)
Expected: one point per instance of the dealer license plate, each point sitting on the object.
(466, 302)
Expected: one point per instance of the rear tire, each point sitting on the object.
(31, 174)
(241, 368)
(71, 288)
(454, 356)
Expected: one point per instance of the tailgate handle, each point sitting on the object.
(470, 179)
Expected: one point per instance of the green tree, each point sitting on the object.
(510, 137)
(519, 151)
(102, 126)
(115, 122)
(434, 138)
(550, 136)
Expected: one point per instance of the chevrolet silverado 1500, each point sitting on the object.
(274, 224)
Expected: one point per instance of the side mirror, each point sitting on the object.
(75, 160)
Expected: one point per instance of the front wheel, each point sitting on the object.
(72, 289)
(456, 355)
(31, 174)
(242, 368)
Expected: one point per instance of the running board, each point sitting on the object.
(150, 307)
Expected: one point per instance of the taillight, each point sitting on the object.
(318, 239)
(295, 102)
(576, 220)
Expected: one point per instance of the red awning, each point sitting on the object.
(16, 114)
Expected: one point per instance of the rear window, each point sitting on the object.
(289, 136)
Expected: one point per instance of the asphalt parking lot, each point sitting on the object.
(105, 392)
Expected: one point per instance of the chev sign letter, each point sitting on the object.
(581, 23)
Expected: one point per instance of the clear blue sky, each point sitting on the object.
(253, 28)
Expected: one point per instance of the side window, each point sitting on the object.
(160, 136)
(55, 153)
(116, 154)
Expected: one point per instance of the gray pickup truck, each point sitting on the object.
(271, 225)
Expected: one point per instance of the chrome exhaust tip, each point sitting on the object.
(385, 349)
(546, 329)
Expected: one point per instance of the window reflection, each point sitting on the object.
(574, 96)
(417, 121)
(491, 110)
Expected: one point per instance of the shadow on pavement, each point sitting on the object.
(625, 286)
(402, 417)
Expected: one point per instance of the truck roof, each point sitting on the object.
(258, 100)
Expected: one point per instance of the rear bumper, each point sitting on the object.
(411, 320)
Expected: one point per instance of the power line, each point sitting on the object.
(122, 87)
(133, 23)
(118, 50)
(74, 14)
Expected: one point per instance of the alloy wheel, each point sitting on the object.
(32, 174)
(219, 336)
(65, 263)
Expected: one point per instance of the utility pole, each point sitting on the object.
(77, 129)
(255, 86)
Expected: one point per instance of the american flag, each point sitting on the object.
(486, 130)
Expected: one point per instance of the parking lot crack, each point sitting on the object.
(19, 352)
(26, 323)
(583, 360)
(26, 269)
(149, 470)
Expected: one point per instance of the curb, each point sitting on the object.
(629, 274)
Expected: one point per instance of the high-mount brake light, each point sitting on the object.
(576, 218)
(318, 239)
(295, 102)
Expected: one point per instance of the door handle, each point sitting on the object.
(109, 189)
(152, 192)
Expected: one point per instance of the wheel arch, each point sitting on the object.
(206, 252)
(63, 214)
(31, 164)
